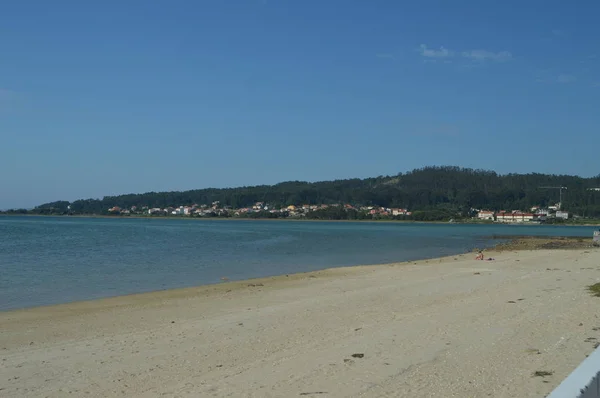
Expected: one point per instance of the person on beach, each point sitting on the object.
(479, 256)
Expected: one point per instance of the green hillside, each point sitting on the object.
(451, 190)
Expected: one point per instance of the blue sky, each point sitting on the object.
(101, 98)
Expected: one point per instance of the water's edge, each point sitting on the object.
(226, 282)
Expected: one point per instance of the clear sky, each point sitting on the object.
(110, 97)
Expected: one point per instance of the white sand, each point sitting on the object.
(435, 329)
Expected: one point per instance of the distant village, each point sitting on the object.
(216, 210)
(537, 214)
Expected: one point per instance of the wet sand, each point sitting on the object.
(451, 327)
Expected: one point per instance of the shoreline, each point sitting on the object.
(226, 284)
(459, 222)
(383, 330)
(290, 219)
(515, 243)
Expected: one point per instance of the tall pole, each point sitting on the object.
(560, 190)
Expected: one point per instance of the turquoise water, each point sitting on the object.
(46, 260)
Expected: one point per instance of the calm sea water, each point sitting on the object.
(46, 260)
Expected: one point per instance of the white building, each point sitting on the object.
(562, 214)
(180, 211)
(485, 215)
(399, 212)
(514, 217)
(556, 207)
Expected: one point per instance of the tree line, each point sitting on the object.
(430, 192)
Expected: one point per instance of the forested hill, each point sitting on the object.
(450, 188)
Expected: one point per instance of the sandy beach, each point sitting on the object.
(451, 327)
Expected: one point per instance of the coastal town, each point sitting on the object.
(215, 209)
(536, 214)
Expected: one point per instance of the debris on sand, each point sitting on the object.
(543, 373)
